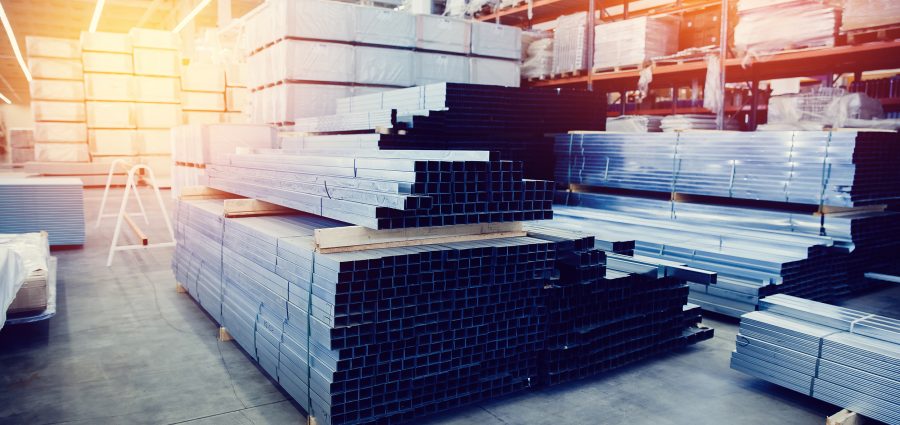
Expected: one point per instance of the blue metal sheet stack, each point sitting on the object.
(52, 204)
(840, 169)
(845, 357)
(389, 335)
(389, 189)
(513, 121)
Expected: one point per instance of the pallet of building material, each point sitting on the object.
(28, 294)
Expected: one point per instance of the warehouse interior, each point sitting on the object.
(450, 212)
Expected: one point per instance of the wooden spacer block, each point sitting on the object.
(845, 417)
(235, 208)
(179, 288)
(193, 193)
(358, 238)
(224, 336)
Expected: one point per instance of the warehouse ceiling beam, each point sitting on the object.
(95, 18)
(190, 16)
(5, 99)
(148, 13)
(14, 43)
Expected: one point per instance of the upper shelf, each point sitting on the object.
(549, 10)
(798, 63)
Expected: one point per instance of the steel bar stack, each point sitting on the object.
(392, 334)
(845, 357)
(389, 189)
(447, 116)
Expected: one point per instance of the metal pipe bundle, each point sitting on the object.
(388, 189)
(839, 169)
(842, 356)
(389, 335)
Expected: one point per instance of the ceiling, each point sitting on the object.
(68, 18)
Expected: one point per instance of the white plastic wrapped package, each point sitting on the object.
(286, 102)
(154, 39)
(157, 62)
(201, 117)
(538, 57)
(377, 25)
(49, 47)
(58, 111)
(494, 72)
(60, 132)
(202, 101)
(309, 19)
(853, 107)
(154, 142)
(440, 68)
(203, 77)
(231, 117)
(633, 41)
(61, 152)
(860, 14)
(55, 68)
(500, 41)
(768, 26)
(301, 60)
(236, 99)
(115, 63)
(114, 87)
(105, 42)
(157, 89)
(633, 124)
(105, 142)
(20, 256)
(570, 43)
(389, 67)
(443, 34)
(58, 90)
(157, 115)
(110, 114)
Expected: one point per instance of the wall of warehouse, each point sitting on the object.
(16, 115)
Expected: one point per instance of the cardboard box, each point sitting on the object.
(58, 111)
(157, 62)
(157, 89)
(155, 142)
(203, 77)
(158, 115)
(107, 142)
(155, 39)
(109, 42)
(115, 87)
(61, 152)
(57, 90)
(202, 101)
(50, 47)
(60, 132)
(110, 114)
(236, 75)
(115, 63)
(236, 99)
(202, 117)
(55, 68)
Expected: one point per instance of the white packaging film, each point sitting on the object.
(570, 43)
(157, 89)
(110, 114)
(203, 101)
(310, 19)
(60, 132)
(201, 117)
(108, 142)
(58, 111)
(114, 87)
(286, 102)
(385, 27)
(154, 141)
(156, 62)
(500, 41)
(236, 99)
(55, 68)
(236, 75)
(49, 47)
(61, 152)
(633, 41)
(105, 42)
(59, 90)
(443, 34)
(438, 68)
(104, 62)
(494, 72)
(157, 115)
(390, 67)
(206, 77)
(154, 39)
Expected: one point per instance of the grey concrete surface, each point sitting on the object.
(126, 348)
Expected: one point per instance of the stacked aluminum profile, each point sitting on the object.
(839, 169)
(845, 357)
(390, 335)
(750, 264)
(389, 189)
(51, 204)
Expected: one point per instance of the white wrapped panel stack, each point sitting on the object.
(57, 93)
(440, 68)
(109, 92)
(570, 43)
(158, 85)
(385, 27)
(203, 92)
(237, 95)
(494, 72)
(633, 41)
(499, 41)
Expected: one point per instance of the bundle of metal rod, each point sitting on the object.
(51, 204)
(868, 237)
(750, 264)
(838, 169)
(447, 116)
(842, 356)
(389, 189)
(392, 334)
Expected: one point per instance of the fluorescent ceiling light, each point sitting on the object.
(5, 99)
(191, 15)
(98, 10)
(14, 43)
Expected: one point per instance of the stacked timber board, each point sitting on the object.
(51, 204)
(392, 334)
(870, 237)
(388, 189)
(446, 116)
(750, 263)
(838, 169)
(845, 357)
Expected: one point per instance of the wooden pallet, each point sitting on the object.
(617, 69)
(867, 35)
(542, 77)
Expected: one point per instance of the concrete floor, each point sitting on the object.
(126, 348)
